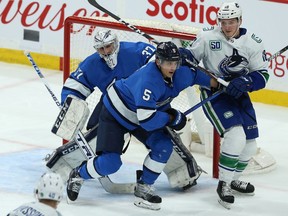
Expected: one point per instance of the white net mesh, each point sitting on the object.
(81, 46)
(198, 134)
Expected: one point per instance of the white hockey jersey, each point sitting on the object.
(35, 209)
(229, 58)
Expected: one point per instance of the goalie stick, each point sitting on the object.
(79, 139)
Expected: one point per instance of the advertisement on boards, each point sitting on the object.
(38, 25)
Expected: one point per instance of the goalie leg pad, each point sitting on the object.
(178, 172)
(69, 156)
(71, 118)
(181, 169)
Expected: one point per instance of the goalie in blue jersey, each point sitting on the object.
(112, 61)
(140, 104)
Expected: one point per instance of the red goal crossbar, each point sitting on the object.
(69, 30)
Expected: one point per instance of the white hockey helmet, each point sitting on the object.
(229, 10)
(50, 187)
(104, 38)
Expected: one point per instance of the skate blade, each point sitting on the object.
(69, 201)
(116, 188)
(139, 202)
(242, 194)
(225, 204)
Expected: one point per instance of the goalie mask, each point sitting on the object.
(50, 187)
(107, 45)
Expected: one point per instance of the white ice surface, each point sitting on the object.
(27, 113)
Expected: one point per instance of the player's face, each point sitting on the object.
(230, 27)
(168, 68)
(106, 50)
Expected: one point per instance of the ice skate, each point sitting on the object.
(74, 184)
(145, 197)
(224, 192)
(242, 187)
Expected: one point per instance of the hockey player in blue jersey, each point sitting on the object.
(112, 61)
(140, 104)
(238, 56)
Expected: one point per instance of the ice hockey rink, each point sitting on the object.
(27, 113)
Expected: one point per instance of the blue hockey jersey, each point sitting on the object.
(94, 72)
(142, 98)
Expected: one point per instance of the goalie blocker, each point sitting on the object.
(181, 169)
(72, 117)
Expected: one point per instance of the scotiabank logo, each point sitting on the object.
(195, 11)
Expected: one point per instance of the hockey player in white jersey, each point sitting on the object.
(238, 56)
(140, 105)
(48, 192)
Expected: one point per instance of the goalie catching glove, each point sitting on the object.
(71, 118)
(177, 119)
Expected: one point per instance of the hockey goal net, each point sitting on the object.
(198, 135)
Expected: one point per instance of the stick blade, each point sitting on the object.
(116, 188)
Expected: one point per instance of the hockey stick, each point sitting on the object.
(79, 139)
(187, 159)
(112, 187)
(278, 53)
(149, 37)
(132, 27)
(105, 181)
(135, 29)
(196, 106)
(120, 188)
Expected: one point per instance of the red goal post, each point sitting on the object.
(78, 44)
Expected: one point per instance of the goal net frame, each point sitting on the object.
(161, 29)
(106, 23)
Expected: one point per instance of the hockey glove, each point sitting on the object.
(178, 119)
(239, 85)
(185, 54)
